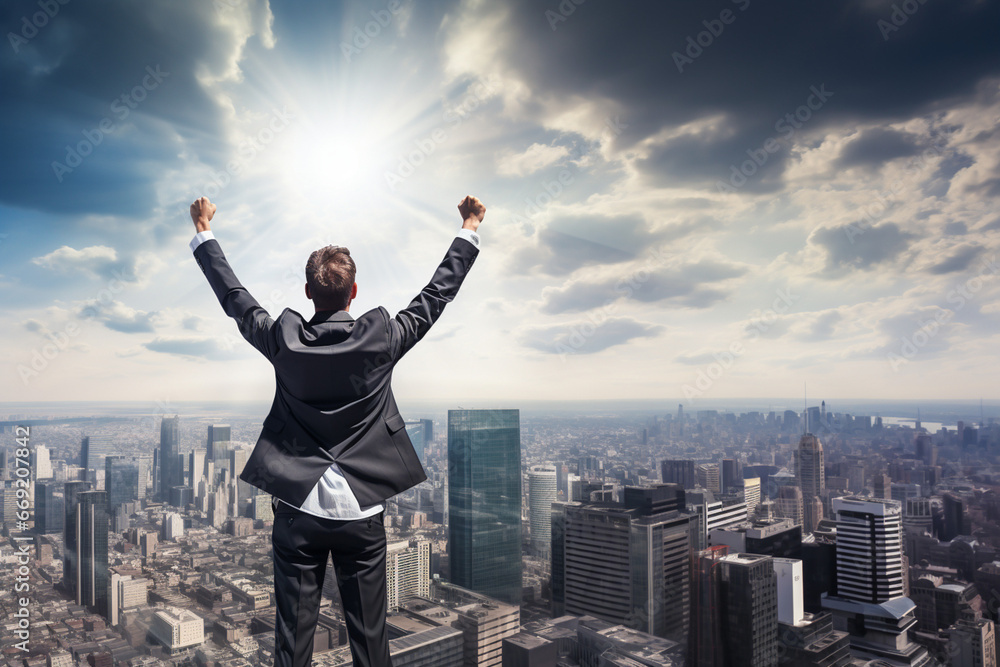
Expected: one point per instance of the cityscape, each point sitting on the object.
(543, 536)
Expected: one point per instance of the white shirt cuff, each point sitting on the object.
(200, 238)
(469, 235)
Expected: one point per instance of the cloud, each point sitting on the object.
(95, 109)
(875, 146)
(534, 158)
(958, 260)
(102, 262)
(203, 347)
(586, 337)
(118, 317)
(856, 247)
(686, 286)
(573, 242)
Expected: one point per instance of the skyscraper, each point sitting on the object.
(870, 603)
(71, 490)
(92, 552)
(869, 549)
(415, 429)
(170, 437)
(541, 495)
(749, 606)
(93, 449)
(484, 502)
(809, 466)
(625, 563)
(49, 510)
(121, 481)
(678, 472)
(729, 475)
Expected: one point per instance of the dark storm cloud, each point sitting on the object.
(687, 286)
(116, 81)
(758, 68)
(854, 247)
(874, 146)
(587, 337)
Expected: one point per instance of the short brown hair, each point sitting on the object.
(330, 274)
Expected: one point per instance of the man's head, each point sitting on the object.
(330, 275)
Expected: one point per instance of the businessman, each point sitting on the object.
(333, 448)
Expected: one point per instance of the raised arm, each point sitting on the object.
(411, 323)
(253, 321)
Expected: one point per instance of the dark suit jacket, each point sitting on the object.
(333, 401)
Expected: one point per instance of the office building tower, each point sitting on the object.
(127, 592)
(750, 488)
(41, 463)
(882, 483)
(219, 442)
(415, 429)
(790, 505)
(749, 610)
(869, 549)
(870, 603)
(780, 538)
(541, 495)
(673, 471)
(262, 508)
(121, 481)
(484, 502)
(956, 521)
(173, 526)
(92, 574)
(196, 467)
(49, 510)
(624, 564)
(972, 643)
(93, 449)
(237, 461)
(729, 475)
(707, 475)
(71, 491)
(812, 514)
(428, 431)
(180, 496)
(407, 571)
(170, 475)
(809, 466)
(918, 515)
(805, 639)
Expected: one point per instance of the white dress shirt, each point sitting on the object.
(332, 497)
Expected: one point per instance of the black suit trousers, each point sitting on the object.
(301, 545)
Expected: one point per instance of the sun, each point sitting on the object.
(333, 159)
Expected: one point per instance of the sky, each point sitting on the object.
(685, 201)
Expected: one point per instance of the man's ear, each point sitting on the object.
(354, 292)
(308, 293)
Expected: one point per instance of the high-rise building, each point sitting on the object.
(673, 471)
(177, 629)
(955, 518)
(126, 593)
(707, 475)
(41, 463)
(805, 639)
(790, 505)
(407, 571)
(750, 488)
(749, 610)
(729, 475)
(624, 563)
(170, 437)
(49, 510)
(484, 502)
(870, 604)
(869, 549)
(92, 574)
(809, 466)
(541, 495)
(121, 481)
(93, 449)
(972, 643)
(415, 429)
(71, 491)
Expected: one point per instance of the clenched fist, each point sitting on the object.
(202, 211)
(472, 211)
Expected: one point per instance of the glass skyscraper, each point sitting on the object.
(92, 552)
(121, 480)
(49, 511)
(484, 502)
(71, 491)
(171, 473)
